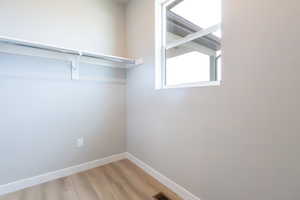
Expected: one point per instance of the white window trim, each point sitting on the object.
(196, 84)
(160, 47)
(193, 36)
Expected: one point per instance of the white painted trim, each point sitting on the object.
(193, 46)
(198, 84)
(193, 36)
(159, 75)
(179, 190)
(165, 1)
(29, 182)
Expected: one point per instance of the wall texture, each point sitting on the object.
(42, 111)
(236, 141)
(92, 25)
(239, 140)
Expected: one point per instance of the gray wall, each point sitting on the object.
(92, 25)
(239, 141)
(42, 111)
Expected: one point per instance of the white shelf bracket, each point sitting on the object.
(139, 61)
(75, 67)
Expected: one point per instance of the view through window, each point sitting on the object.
(192, 42)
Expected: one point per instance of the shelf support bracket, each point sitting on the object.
(75, 67)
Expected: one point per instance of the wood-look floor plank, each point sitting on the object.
(61, 189)
(35, 192)
(150, 180)
(122, 189)
(13, 196)
(100, 184)
(144, 190)
(122, 180)
(117, 190)
(138, 180)
(83, 188)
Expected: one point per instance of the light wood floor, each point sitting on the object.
(121, 180)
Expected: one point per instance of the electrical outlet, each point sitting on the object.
(80, 142)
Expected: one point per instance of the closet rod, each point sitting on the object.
(52, 48)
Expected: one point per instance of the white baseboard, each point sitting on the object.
(179, 190)
(29, 182)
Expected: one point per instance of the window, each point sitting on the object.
(188, 34)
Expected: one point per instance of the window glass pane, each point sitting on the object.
(191, 61)
(187, 68)
(204, 13)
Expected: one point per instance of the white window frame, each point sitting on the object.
(161, 46)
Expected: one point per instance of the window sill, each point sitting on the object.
(189, 85)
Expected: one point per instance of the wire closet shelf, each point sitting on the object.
(127, 62)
